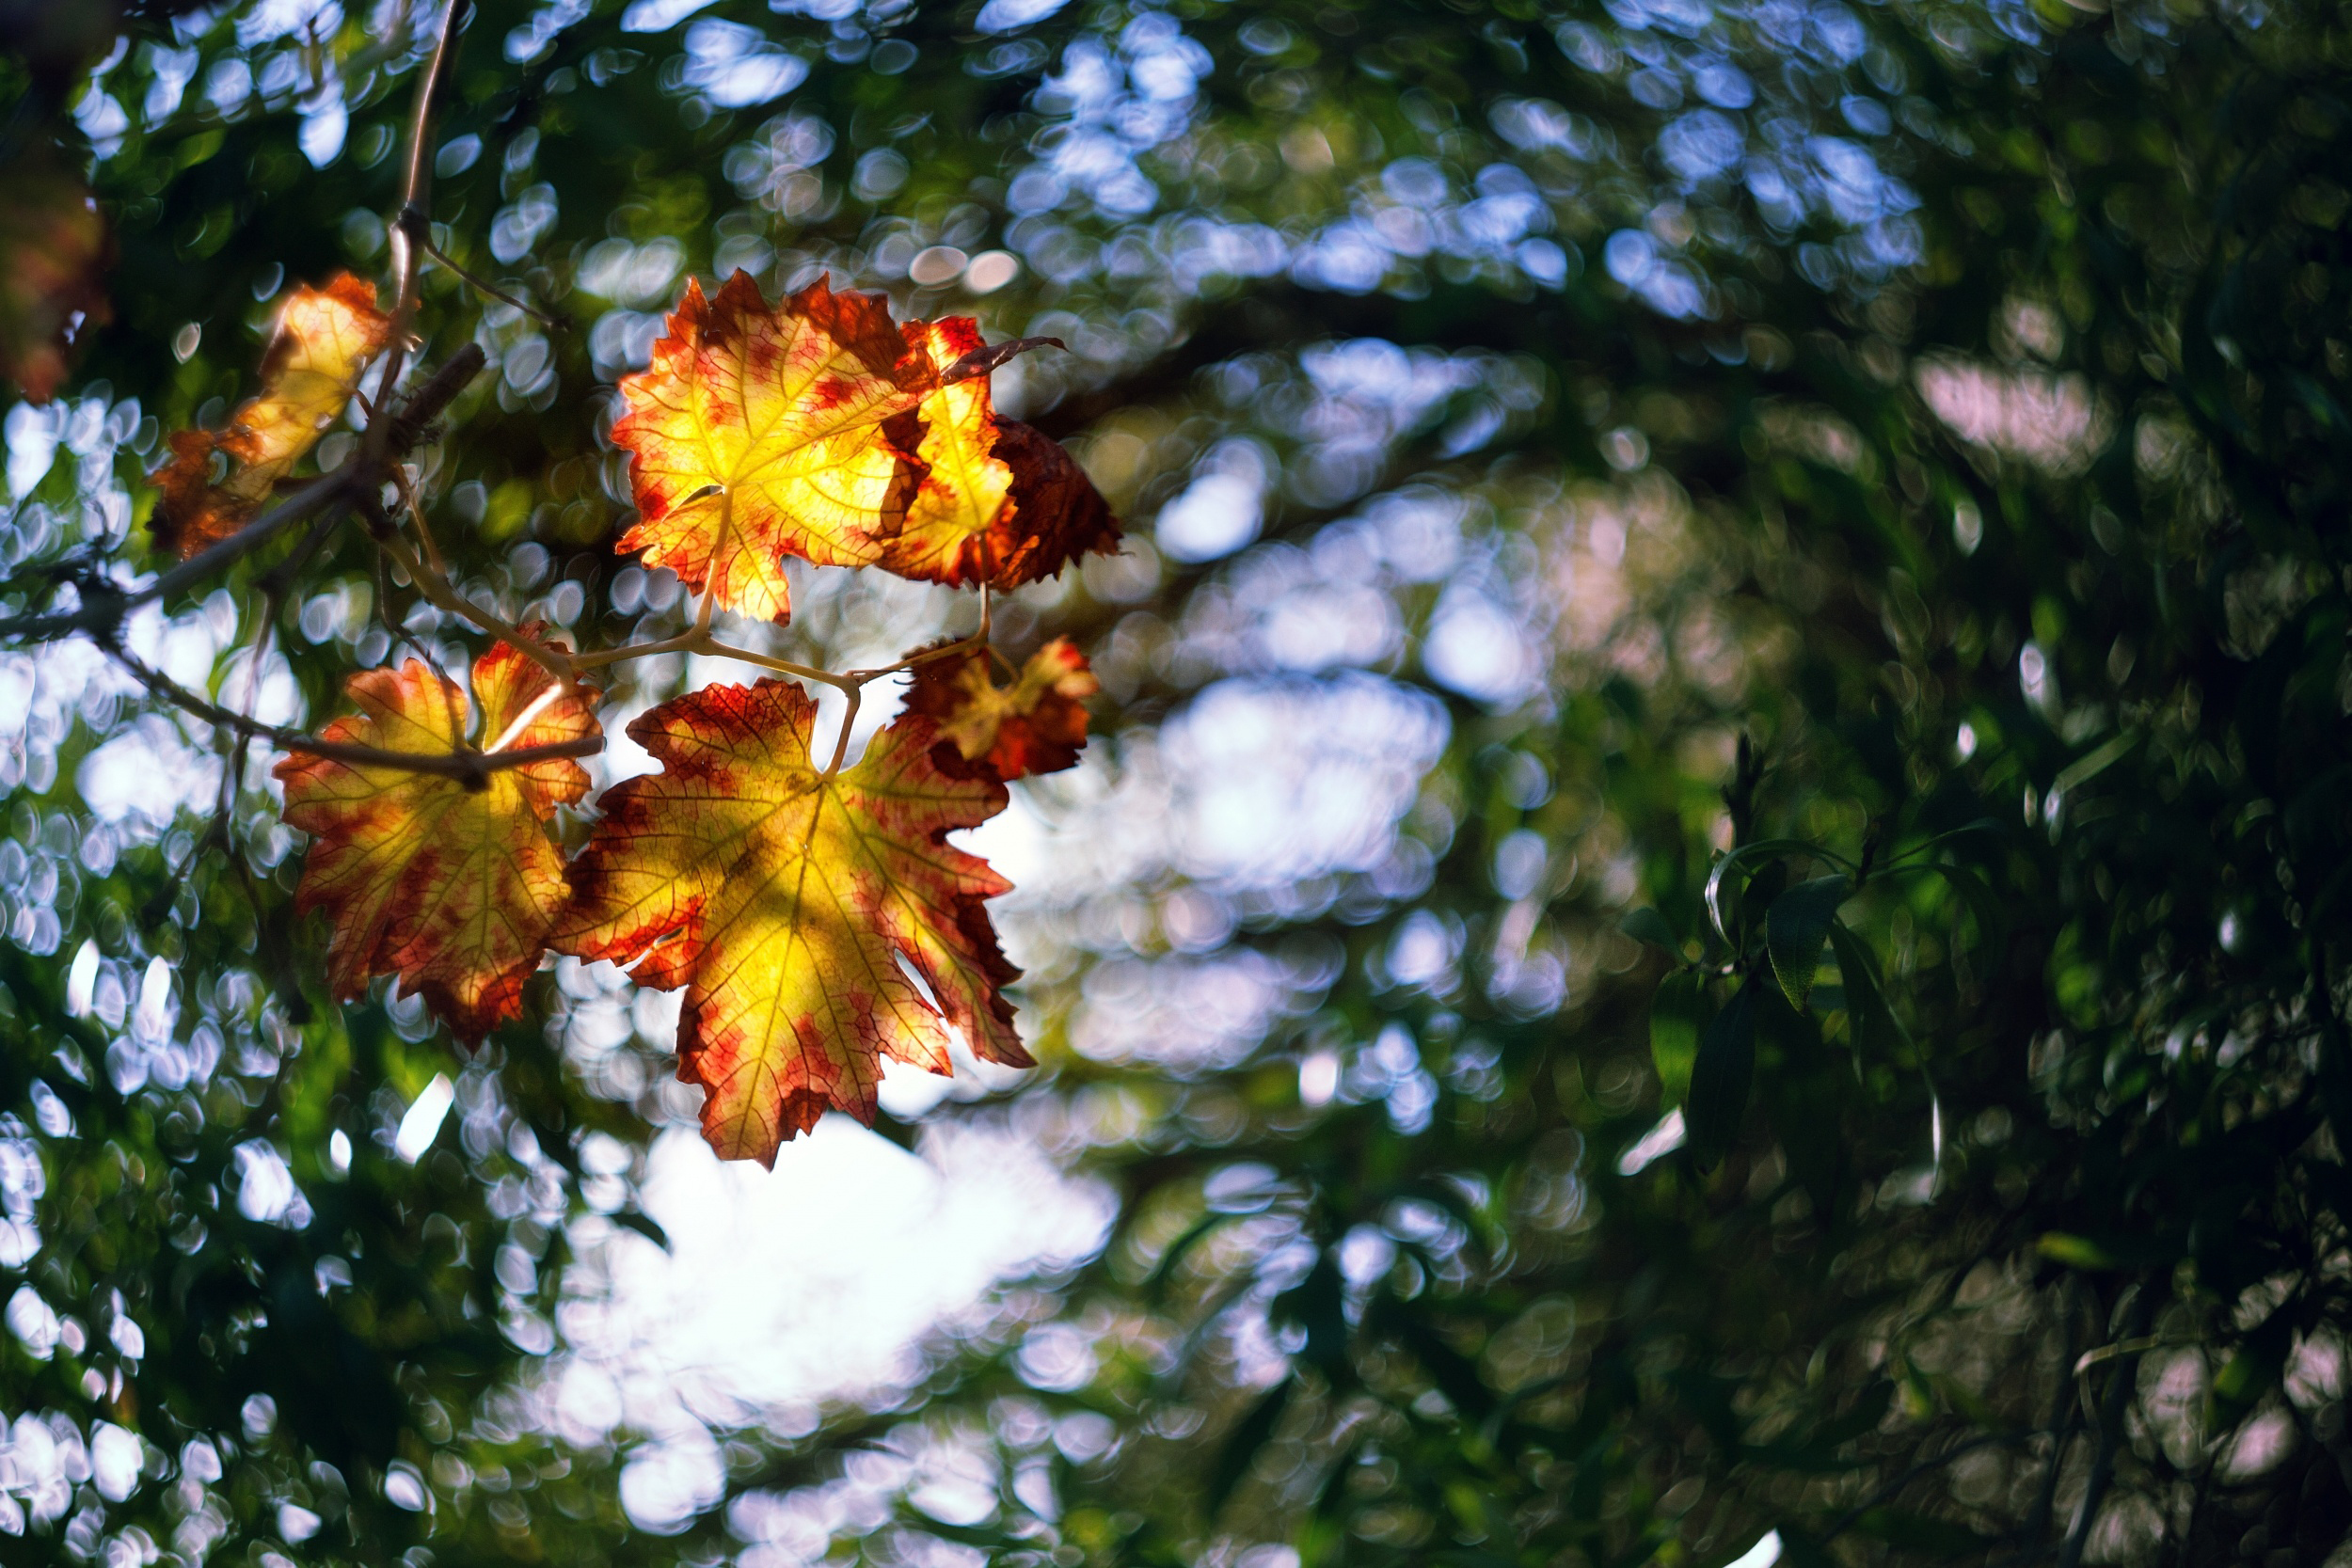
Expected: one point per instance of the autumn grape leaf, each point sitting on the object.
(53, 246)
(757, 433)
(450, 888)
(1035, 725)
(323, 340)
(785, 903)
(997, 500)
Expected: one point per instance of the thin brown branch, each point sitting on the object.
(699, 641)
(414, 506)
(410, 226)
(104, 606)
(689, 642)
(437, 589)
(717, 649)
(464, 765)
(962, 644)
(1894, 1488)
(485, 286)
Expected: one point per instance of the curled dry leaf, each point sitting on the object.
(53, 247)
(1035, 725)
(784, 901)
(995, 501)
(450, 888)
(322, 341)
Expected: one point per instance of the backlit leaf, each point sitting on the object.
(450, 888)
(1875, 1030)
(1035, 725)
(998, 502)
(323, 340)
(1677, 1015)
(785, 903)
(757, 433)
(1795, 929)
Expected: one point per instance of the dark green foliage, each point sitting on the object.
(1959, 588)
(1720, 1078)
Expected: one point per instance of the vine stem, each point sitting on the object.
(841, 741)
(411, 226)
(465, 766)
(104, 606)
(482, 286)
(700, 640)
(437, 589)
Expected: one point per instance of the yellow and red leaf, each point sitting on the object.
(321, 342)
(786, 902)
(996, 501)
(1036, 725)
(756, 433)
(450, 888)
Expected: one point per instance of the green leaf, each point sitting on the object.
(1795, 929)
(1242, 1444)
(1720, 1080)
(2075, 1252)
(2083, 769)
(1992, 920)
(1739, 858)
(1874, 1026)
(1318, 1303)
(1647, 924)
(1677, 1015)
(1865, 1415)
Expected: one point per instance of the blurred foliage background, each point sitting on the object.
(1708, 921)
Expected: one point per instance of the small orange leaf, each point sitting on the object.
(1036, 725)
(453, 889)
(785, 902)
(323, 340)
(53, 246)
(997, 501)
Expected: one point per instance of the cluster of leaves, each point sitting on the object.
(784, 898)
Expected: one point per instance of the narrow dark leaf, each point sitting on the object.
(1318, 1303)
(1873, 1025)
(1992, 920)
(1156, 1284)
(1647, 924)
(644, 1224)
(1242, 1444)
(1795, 929)
(1677, 1015)
(1720, 1080)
